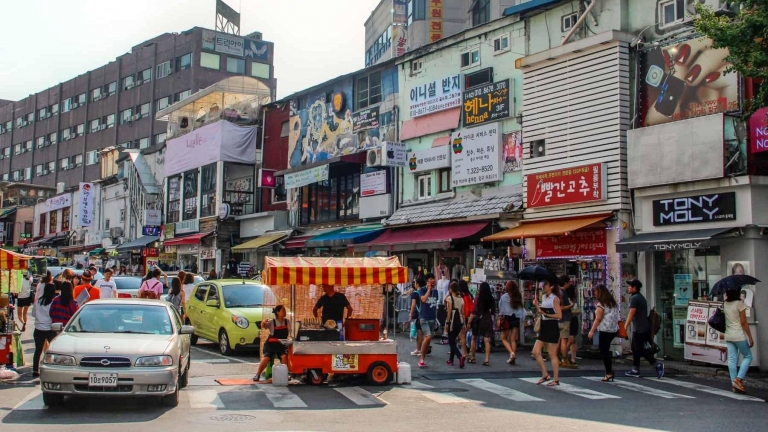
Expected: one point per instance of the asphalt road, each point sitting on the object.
(471, 401)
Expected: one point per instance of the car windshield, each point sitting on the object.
(116, 318)
(247, 295)
(127, 283)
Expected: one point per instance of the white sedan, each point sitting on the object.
(122, 347)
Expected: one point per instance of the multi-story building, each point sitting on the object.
(55, 135)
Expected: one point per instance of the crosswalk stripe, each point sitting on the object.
(710, 390)
(211, 361)
(360, 396)
(576, 391)
(505, 392)
(281, 397)
(643, 389)
(441, 398)
(33, 401)
(205, 399)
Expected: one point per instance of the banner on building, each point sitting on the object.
(223, 43)
(399, 12)
(567, 186)
(86, 204)
(758, 127)
(578, 243)
(486, 103)
(686, 79)
(374, 183)
(429, 159)
(365, 119)
(476, 155)
(434, 96)
(306, 177)
(220, 141)
(435, 20)
(58, 202)
(399, 40)
(513, 151)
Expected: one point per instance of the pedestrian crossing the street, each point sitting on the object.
(522, 391)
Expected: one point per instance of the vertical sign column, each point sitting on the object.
(435, 20)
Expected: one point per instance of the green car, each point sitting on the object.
(229, 312)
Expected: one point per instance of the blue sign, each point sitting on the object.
(257, 50)
(150, 231)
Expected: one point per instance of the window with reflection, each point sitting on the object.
(53, 221)
(174, 199)
(238, 188)
(190, 195)
(208, 190)
(335, 199)
(65, 218)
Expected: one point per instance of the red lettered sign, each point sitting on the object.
(578, 243)
(567, 186)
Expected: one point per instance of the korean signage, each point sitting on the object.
(429, 159)
(365, 119)
(683, 289)
(685, 80)
(208, 254)
(150, 252)
(400, 12)
(758, 128)
(513, 151)
(435, 20)
(223, 43)
(434, 96)
(578, 243)
(486, 103)
(395, 153)
(306, 177)
(374, 183)
(476, 155)
(567, 186)
(695, 209)
(86, 204)
(58, 202)
(399, 40)
(153, 218)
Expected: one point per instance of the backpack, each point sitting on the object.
(175, 301)
(147, 293)
(655, 320)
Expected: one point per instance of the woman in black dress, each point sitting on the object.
(481, 321)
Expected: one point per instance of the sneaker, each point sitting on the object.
(462, 360)
(416, 353)
(659, 370)
(449, 363)
(633, 373)
(422, 364)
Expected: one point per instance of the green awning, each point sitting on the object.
(97, 251)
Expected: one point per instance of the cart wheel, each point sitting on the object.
(316, 378)
(379, 373)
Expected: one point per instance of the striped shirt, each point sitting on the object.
(60, 313)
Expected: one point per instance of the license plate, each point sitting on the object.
(102, 379)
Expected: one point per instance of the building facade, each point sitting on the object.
(56, 135)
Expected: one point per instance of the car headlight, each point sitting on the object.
(240, 321)
(154, 361)
(59, 360)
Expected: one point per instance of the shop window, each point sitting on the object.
(424, 186)
(53, 222)
(238, 189)
(279, 193)
(444, 180)
(65, 218)
(208, 190)
(190, 195)
(174, 200)
(369, 90)
(335, 199)
(43, 225)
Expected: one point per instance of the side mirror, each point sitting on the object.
(187, 330)
(57, 327)
(212, 303)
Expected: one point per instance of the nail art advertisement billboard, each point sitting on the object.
(686, 79)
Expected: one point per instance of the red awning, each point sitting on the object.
(188, 240)
(297, 242)
(432, 123)
(421, 237)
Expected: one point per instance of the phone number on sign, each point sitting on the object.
(482, 169)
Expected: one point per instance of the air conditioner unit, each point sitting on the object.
(115, 232)
(139, 82)
(722, 6)
(136, 117)
(373, 158)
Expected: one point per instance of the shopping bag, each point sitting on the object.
(622, 333)
(537, 324)
(413, 329)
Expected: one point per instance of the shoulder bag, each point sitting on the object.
(452, 325)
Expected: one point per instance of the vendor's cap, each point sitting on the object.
(635, 283)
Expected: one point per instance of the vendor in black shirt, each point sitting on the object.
(333, 305)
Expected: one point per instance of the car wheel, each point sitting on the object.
(379, 373)
(52, 399)
(224, 343)
(171, 400)
(193, 337)
(184, 378)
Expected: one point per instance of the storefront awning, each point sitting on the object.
(345, 236)
(260, 242)
(50, 240)
(300, 241)
(421, 237)
(70, 249)
(666, 241)
(187, 240)
(547, 228)
(97, 251)
(139, 243)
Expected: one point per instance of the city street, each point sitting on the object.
(497, 400)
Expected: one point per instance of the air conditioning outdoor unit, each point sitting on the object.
(136, 117)
(115, 232)
(373, 158)
(139, 82)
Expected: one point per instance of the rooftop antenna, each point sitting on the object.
(227, 19)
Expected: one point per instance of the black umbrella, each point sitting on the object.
(535, 273)
(731, 283)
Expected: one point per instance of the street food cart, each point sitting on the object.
(11, 264)
(317, 348)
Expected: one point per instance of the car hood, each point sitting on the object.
(252, 314)
(132, 345)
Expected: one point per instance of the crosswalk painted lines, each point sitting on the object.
(576, 391)
(439, 397)
(505, 392)
(205, 399)
(282, 397)
(643, 389)
(33, 401)
(359, 396)
(710, 390)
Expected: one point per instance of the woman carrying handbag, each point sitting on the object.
(607, 323)
(454, 324)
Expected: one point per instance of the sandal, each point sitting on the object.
(486, 364)
(554, 383)
(472, 361)
(543, 380)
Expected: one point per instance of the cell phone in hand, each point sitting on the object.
(670, 93)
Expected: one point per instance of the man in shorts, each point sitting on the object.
(427, 315)
(565, 323)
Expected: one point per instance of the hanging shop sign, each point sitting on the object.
(377, 206)
(476, 156)
(365, 119)
(758, 127)
(567, 186)
(150, 252)
(434, 96)
(695, 209)
(429, 159)
(150, 230)
(578, 243)
(58, 202)
(374, 183)
(306, 177)
(208, 254)
(86, 204)
(486, 103)
(395, 153)
(153, 218)
(435, 20)
(267, 178)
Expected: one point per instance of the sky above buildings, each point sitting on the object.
(50, 41)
